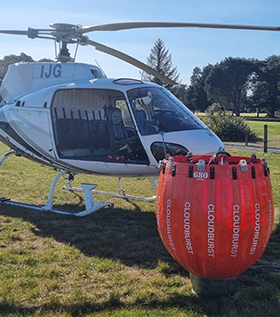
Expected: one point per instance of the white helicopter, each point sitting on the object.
(72, 117)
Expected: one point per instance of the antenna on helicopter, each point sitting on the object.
(100, 68)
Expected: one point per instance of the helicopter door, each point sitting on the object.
(95, 124)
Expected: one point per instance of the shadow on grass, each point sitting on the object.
(258, 303)
(129, 236)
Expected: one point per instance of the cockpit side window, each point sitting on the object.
(95, 124)
(156, 110)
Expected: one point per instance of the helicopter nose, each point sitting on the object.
(199, 142)
(206, 142)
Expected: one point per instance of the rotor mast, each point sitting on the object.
(64, 54)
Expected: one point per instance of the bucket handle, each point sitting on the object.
(220, 153)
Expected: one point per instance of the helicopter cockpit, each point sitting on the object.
(110, 125)
(156, 110)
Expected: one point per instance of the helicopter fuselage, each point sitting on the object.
(70, 116)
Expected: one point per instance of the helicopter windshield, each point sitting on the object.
(157, 110)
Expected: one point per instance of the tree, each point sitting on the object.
(228, 83)
(266, 86)
(161, 61)
(228, 127)
(196, 95)
(12, 59)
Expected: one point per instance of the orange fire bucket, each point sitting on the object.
(215, 215)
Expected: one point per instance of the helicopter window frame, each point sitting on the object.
(153, 119)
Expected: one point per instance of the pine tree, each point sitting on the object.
(161, 61)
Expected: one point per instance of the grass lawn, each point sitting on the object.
(273, 129)
(258, 127)
(253, 115)
(111, 263)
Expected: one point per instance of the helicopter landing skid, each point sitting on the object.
(91, 204)
(121, 193)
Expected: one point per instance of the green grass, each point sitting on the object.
(111, 263)
(253, 115)
(274, 166)
(258, 128)
(273, 131)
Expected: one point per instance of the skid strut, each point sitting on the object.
(91, 204)
(121, 193)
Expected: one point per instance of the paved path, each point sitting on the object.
(252, 148)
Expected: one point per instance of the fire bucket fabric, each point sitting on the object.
(215, 215)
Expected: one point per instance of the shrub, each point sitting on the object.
(228, 127)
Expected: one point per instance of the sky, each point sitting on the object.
(189, 47)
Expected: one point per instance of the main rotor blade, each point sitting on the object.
(130, 60)
(138, 25)
(14, 32)
(31, 33)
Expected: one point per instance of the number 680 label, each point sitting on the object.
(200, 175)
